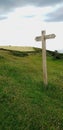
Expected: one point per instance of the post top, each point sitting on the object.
(43, 32)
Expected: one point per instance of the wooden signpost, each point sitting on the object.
(43, 38)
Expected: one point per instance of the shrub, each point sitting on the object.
(56, 55)
(20, 54)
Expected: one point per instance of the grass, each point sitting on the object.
(17, 48)
(25, 103)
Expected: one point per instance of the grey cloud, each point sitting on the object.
(9, 5)
(29, 16)
(56, 16)
(3, 17)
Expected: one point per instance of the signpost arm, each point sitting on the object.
(44, 57)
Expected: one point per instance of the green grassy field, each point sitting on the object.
(25, 103)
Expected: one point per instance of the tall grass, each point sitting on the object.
(25, 103)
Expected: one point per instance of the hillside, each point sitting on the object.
(25, 103)
(17, 48)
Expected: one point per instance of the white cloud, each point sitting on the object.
(18, 29)
(30, 11)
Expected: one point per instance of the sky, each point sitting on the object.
(22, 20)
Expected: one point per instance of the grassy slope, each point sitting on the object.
(18, 48)
(25, 103)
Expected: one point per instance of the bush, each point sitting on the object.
(19, 54)
(56, 55)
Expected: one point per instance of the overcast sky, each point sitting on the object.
(22, 20)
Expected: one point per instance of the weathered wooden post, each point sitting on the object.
(44, 65)
(43, 38)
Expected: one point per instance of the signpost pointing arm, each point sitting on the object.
(43, 38)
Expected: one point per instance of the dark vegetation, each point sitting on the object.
(55, 55)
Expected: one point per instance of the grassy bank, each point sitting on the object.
(17, 48)
(25, 103)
